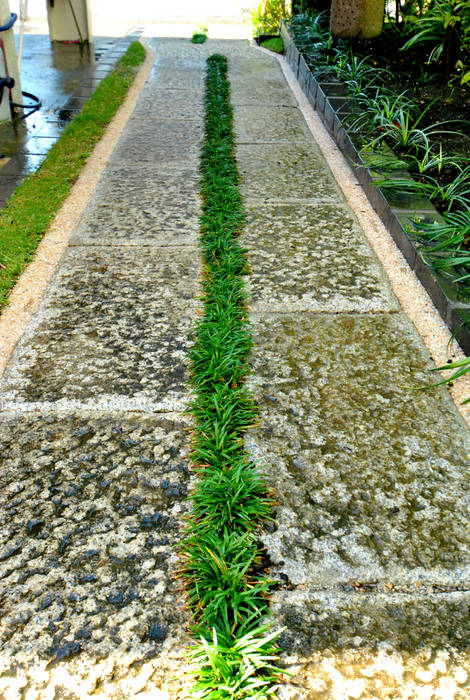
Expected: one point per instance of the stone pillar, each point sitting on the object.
(69, 20)
(8, 63)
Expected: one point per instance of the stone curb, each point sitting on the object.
(328, 100)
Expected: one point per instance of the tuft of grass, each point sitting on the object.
(30, 210)
(275, 44)
(235, 655)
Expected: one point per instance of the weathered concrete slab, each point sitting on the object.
(312, 258)
(254, 65)
(269, 125)
(92, 508)
(163, 142)
(375, 645)
(179, 52)
(114, 325)
(258, 80)
(285, 172)
(157, 102)
(185, 76)
(144, 205)
(372, 478)
(271, 91)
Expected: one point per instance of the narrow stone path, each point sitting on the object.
(372, 541)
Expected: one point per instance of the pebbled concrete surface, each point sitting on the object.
(370, 548)
(312, 257)
(91, 511)
(92, 441)
(284, 172)
(123, 209)
(367, 487)
(279, 124)
(114, 324)
(160, 141)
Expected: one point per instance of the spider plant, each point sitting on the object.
(447, 196)
(352, 67)
(452, 232)
(402, 130)
(444, 244)
(377, 105)
(462, 367)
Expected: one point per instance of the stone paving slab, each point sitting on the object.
(176, 52)
(181, 77)
(271, 91)
(142, 205)
(312, 258)
(254, 65)
(160, 141)
(258, 125)
(372, 478)
(115, 324)
(92, 510)
(258, 80)
(278, 173)
(157, 101)
(381, 646)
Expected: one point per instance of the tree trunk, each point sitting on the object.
(362, 19)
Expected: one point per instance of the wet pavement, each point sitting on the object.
(62, 76)
(371, 544)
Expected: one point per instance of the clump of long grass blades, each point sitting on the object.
(220, 555)
(446, 195)
(229, 669)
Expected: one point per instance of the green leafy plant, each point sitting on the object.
(462, 367)
(401, 130)
(243, 669)
(447, 195)
(444, 29)
(199, 35)
(267, 16)
(220, 556)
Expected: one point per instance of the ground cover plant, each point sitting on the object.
(410, 117)
(199, 35)
(30, 210)
(267, 16)
(235, 653)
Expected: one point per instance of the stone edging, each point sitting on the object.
(394, 212)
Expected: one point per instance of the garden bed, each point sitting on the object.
(401, 212)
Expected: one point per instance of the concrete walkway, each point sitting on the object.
(372, 540)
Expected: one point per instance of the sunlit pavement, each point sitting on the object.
(229, 19)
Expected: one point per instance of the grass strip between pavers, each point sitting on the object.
(30, 210)
(236, 653)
